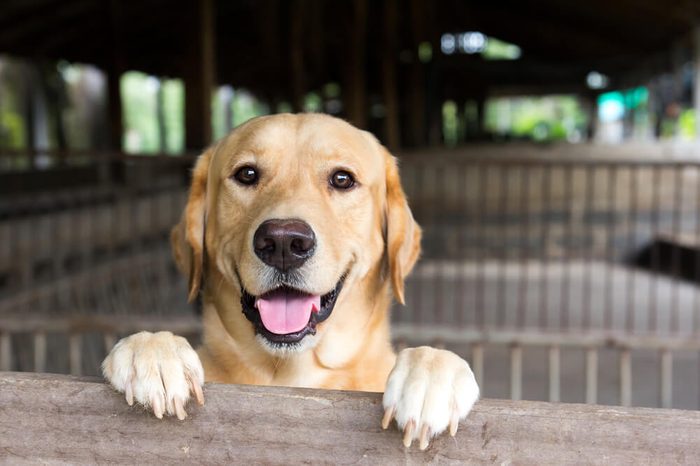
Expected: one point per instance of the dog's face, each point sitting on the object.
(294, 212)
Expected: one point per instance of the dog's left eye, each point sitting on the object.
(342, 180)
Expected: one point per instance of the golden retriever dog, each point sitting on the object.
(295, 233)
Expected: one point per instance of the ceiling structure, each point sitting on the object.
(281, 49)
(561, 40)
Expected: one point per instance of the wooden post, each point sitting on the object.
(418, 130)
(114, 74)
(392, 137)
(297, 54)
(355, 92)
(696, 79)
(199, 73)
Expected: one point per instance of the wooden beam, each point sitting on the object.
(62, 419)
(296, 55)
(200, 72)
(356, 88)
(392, 137)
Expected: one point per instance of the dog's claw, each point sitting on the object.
(424, 437)
(179, 410)
(454, 423)
(388, 416)
(198, 394)
(129, 392)
(408, 433)
(157, 406)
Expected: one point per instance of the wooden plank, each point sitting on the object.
(62, 419)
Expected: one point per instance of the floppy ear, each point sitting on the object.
(402, 232)
(187, 237)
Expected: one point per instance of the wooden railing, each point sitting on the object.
(112, 327)
(68, 420)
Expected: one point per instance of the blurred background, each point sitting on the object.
(549, 149)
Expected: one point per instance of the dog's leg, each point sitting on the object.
(158, 370)
(427, 391)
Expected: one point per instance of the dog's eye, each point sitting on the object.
(342, 180)
(247, 175)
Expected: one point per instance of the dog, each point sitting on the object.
(295, 234)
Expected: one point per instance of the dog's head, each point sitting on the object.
(295, 213)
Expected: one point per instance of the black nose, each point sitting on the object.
(284, 244)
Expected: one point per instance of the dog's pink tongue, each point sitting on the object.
(283, 312)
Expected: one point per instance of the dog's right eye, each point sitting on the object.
(247, 175)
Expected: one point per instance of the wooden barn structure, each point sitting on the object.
(388, 57)
(562, 272)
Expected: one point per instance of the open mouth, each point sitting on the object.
(286, 315)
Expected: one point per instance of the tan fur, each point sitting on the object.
(367, 232)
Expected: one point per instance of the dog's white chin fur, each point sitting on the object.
(287, 350)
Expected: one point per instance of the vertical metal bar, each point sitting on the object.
(675, 254)
(587, 219)
(482, 174)
(503, 256)
(696, 294)
(592, 375)
(666, 378)
(516, 372)
(625, 377)
(464, 216)
(554, 374)
(440, 231)
(5, 351)
(544, 240)
(653, 322)
(419, 313)
(629, 316)
(478, 364)
(524, 240)
(567, 242)
(609, 246)
(75, 353)
(39, 352)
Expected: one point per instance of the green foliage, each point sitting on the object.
(496, 49)
(686, 124)
(541, 119)
(139, 94)
(174, 115)
(450, 123)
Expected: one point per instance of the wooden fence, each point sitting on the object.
(60, 419)
(475, 343)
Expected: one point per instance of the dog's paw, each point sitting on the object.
(158, 370)
(427, 391)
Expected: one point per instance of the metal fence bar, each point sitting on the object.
(625, 378)
(478, 363)
(516, 372)
(554, 374)
(39, 352)
(5, 351)
(591, 375)
(666, 378)
(75, 354)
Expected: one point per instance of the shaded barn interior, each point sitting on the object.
(562, 270)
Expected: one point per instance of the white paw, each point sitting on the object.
(427, 390)
(158, 370)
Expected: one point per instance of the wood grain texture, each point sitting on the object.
(61, 419)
